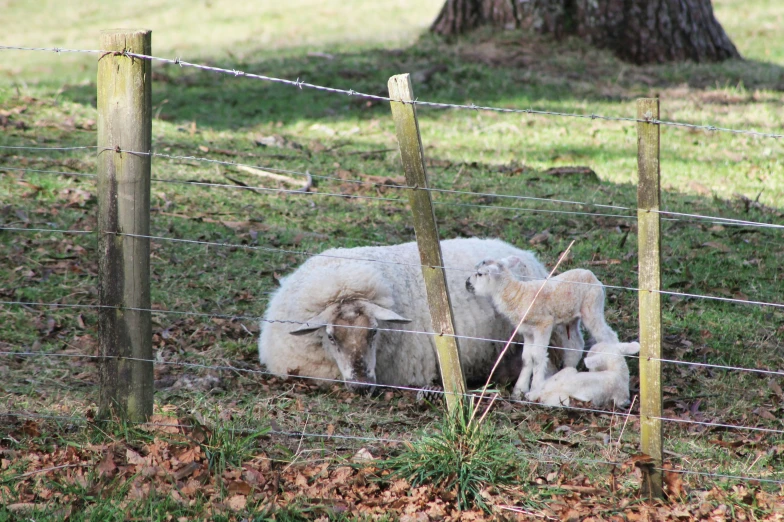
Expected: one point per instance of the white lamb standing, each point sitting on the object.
(564, 299)
(606, 381)
(339, 315)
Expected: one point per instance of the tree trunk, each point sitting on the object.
(638, 31)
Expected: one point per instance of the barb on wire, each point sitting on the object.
(350, 92)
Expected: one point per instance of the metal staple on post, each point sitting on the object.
(411, 153)
(649, 239)
(124, 123)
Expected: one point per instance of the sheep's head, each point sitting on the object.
(348, 333)
(489, 275)
(610, 356)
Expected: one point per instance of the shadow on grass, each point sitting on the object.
(508, 69)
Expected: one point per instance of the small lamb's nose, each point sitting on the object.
(469, 286)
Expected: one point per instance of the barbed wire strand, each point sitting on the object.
(405, 388)
(762, 371)
(465, 270)
(294, 434)
(397, 330)
(667, 214)
(19, 147)
(351, 92)
(60, 172)
(61, 231)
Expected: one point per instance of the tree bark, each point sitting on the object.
(638, 31)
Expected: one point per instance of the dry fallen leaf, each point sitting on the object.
(237, 502)
(363, 455)
(673, 481)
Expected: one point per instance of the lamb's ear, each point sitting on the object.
(630, 348)
(314, 323)
(384, 314)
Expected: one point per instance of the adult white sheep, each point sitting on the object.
(346, 307)
(571, 296)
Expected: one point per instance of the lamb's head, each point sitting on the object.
(489, 278)
(610, 356)
(348, 333)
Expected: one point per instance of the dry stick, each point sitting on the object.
(509, 342)
(623, 428)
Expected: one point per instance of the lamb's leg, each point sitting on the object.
(523, 382)
(539, 356)
(593, 316)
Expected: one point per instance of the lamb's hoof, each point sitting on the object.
(531, 396)
(517, 395)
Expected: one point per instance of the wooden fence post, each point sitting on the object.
(411, 152)
(649, 240)
(124, 124)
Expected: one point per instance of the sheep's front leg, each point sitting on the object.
(539, 356)
(523, 382)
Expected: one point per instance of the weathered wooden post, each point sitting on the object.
(124, 124)
(412, 154)
(649, 240)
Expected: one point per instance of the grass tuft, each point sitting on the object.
(461, 456)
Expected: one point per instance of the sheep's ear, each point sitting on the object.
(384, 314)
(630, 348)
(314, 323)
(512, 261)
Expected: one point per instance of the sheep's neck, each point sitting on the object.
(514, 298)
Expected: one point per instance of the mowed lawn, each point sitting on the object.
(223, 460)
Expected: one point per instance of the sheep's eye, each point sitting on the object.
(373, 332)
(331, 338)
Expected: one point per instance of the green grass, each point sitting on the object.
(51, 102)
(462, 455)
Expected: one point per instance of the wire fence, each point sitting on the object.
(351, 92)
(237, 367)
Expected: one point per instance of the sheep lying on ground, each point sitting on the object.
(607, 381)
(565, 299)
(349, 305)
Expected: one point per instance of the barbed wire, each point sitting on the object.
(59, 172)
(540, 456)
(47, 148)
(428, 390)
(61, 231)
(351, 92)
(464, 270)
(667, 214)
(396, 330)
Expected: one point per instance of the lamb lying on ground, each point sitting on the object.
(565, 299)
(340, 312)
(606, 381)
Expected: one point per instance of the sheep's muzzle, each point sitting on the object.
(469, 286)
